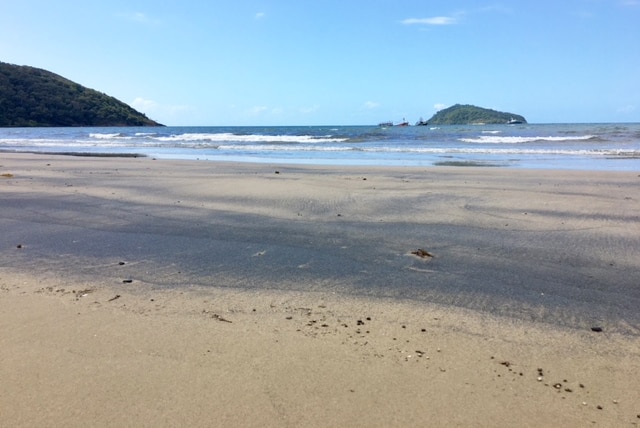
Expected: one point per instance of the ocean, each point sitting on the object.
(613, 147)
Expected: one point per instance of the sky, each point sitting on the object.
(338, 62)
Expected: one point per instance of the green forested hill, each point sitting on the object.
(468, 114)
(34, 97)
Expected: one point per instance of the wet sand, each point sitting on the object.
(158, 293)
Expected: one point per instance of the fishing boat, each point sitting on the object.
(390, 124)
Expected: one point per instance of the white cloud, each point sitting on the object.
(436, 20)
(496, 8)
(309, 110)
(371, 105)
(140, 18)
(143, 104)
(439, 106)
(257, 110)
(157, 111)
(264, 110)
(260, 15)
(627, 109)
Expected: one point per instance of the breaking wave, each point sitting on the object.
(596, 146)
(224, 137)
(493, 139)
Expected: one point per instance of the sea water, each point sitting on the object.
(613, 147)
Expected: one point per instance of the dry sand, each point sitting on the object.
(141, 292)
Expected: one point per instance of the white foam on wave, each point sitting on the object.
(99, 136)
(505, 151)
(281, 148)
(250, 138)
(492, 139)
(46, 143)
(418, 150)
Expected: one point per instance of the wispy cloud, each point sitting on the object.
(260, 15)
(140, 18)
(310, 109)
(143, 104)
(499, 8)
(155, 110)
(262, 111)
(439, 106)
(370, 105)
(627, 109)
(257, 109)
(436, 20)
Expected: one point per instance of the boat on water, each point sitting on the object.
(390, 124)
(422, 122)
(513, 121)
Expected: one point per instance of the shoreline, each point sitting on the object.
(157, 292)
(78, 154)
(330, 164)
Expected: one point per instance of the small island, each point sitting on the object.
(471, 115)
(31, 97)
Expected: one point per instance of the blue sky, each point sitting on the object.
(338, 62)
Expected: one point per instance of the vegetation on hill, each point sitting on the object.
(469, 114)
(34, 97)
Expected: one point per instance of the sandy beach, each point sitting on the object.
(143, 292)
